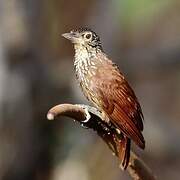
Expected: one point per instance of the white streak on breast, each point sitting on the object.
(84, 64)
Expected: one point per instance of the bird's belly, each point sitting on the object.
(88, 91)
(85, 77)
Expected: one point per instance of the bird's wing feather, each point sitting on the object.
(118, 101)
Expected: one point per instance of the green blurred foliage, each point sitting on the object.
(135, 12)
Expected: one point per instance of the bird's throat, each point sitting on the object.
(84, 62)
(81, 53)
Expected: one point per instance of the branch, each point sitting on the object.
(90, 117)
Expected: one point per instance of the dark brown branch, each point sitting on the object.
(90, 117)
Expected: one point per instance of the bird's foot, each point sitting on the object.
(87, 114)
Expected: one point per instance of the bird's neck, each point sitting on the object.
(85, 60)
(83, 53)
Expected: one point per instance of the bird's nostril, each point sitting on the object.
(72, 33)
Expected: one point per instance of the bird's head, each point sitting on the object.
(84, 37)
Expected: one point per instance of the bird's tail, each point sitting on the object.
(124, 151)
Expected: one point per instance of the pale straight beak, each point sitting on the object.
(72, 36)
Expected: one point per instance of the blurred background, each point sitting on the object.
(36, 72)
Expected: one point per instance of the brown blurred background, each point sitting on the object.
(36, 72)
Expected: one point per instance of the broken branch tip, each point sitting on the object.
(50, 116)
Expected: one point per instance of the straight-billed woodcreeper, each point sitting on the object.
(105, 86)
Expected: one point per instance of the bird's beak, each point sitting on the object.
(72, 36)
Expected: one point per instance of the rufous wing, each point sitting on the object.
(117, 100)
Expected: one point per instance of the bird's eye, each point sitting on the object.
(88, 36)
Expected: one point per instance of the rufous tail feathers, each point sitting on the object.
(124, 151)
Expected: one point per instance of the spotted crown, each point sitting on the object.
(95, 42)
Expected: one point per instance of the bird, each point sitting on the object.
(105, 86)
